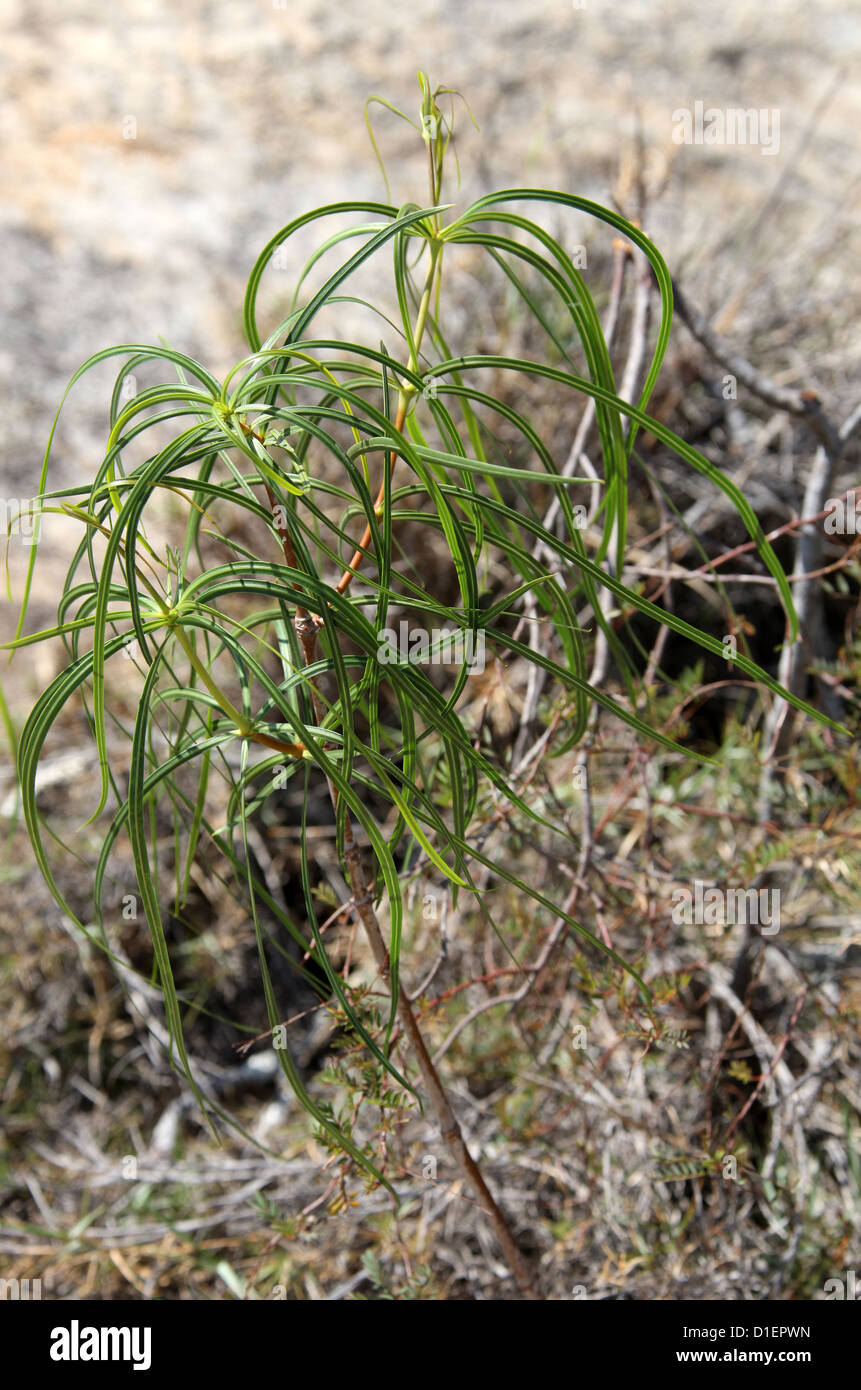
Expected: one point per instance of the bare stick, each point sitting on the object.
(808, 559)
(802, 403)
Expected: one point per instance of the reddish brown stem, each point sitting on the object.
(359, 555)
(363, 906)
(450, 1131)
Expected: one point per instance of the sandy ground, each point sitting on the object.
(246, 113)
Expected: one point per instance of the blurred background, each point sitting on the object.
(148, 151)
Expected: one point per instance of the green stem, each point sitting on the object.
(217, 694)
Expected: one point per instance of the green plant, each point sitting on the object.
(278, 653)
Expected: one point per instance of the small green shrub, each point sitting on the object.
(258, 625)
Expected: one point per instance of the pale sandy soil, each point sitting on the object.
(248, 113)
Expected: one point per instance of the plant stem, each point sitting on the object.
(450, 1131)
(403, 401)
(363, 904)
(307, 628)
